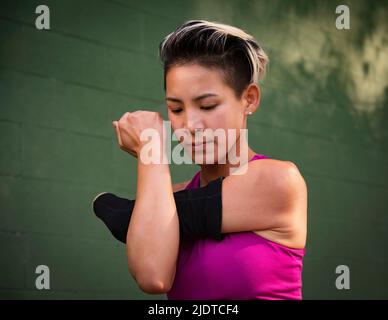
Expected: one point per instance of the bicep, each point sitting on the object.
(260, 199)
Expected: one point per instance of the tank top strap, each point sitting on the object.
(195, 181)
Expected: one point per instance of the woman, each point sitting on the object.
(211, 74)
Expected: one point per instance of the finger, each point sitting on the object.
(116, 125)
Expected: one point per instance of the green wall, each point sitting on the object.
(324, 107)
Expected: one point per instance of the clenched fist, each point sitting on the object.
(130, 127)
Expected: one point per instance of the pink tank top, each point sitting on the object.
(243, 266)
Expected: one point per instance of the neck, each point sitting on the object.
(210, 172)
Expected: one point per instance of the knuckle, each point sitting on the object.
(122, 120)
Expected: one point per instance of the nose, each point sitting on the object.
(193, 122)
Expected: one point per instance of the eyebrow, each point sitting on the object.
(202, 96)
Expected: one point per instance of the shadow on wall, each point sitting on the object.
(345, 68)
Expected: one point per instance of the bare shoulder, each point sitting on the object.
(283, 171)
(180, 186)
(285, 179)
(273, 164)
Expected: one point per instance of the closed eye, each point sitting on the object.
(176, 111)
(208, 107)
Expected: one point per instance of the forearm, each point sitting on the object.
(153, 233)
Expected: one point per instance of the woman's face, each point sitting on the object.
(197, 99)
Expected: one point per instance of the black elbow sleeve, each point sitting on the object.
(199, 212)
(115, 212)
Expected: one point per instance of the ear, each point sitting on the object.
(251, 98)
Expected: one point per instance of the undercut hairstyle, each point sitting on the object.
(215, 45)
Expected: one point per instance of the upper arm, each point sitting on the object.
(268, 196)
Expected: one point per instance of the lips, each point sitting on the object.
(195, 144)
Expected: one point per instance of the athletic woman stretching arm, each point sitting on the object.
(211, 82)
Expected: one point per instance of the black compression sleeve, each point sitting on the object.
(199, 212)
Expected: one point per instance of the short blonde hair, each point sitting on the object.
(214, 44)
